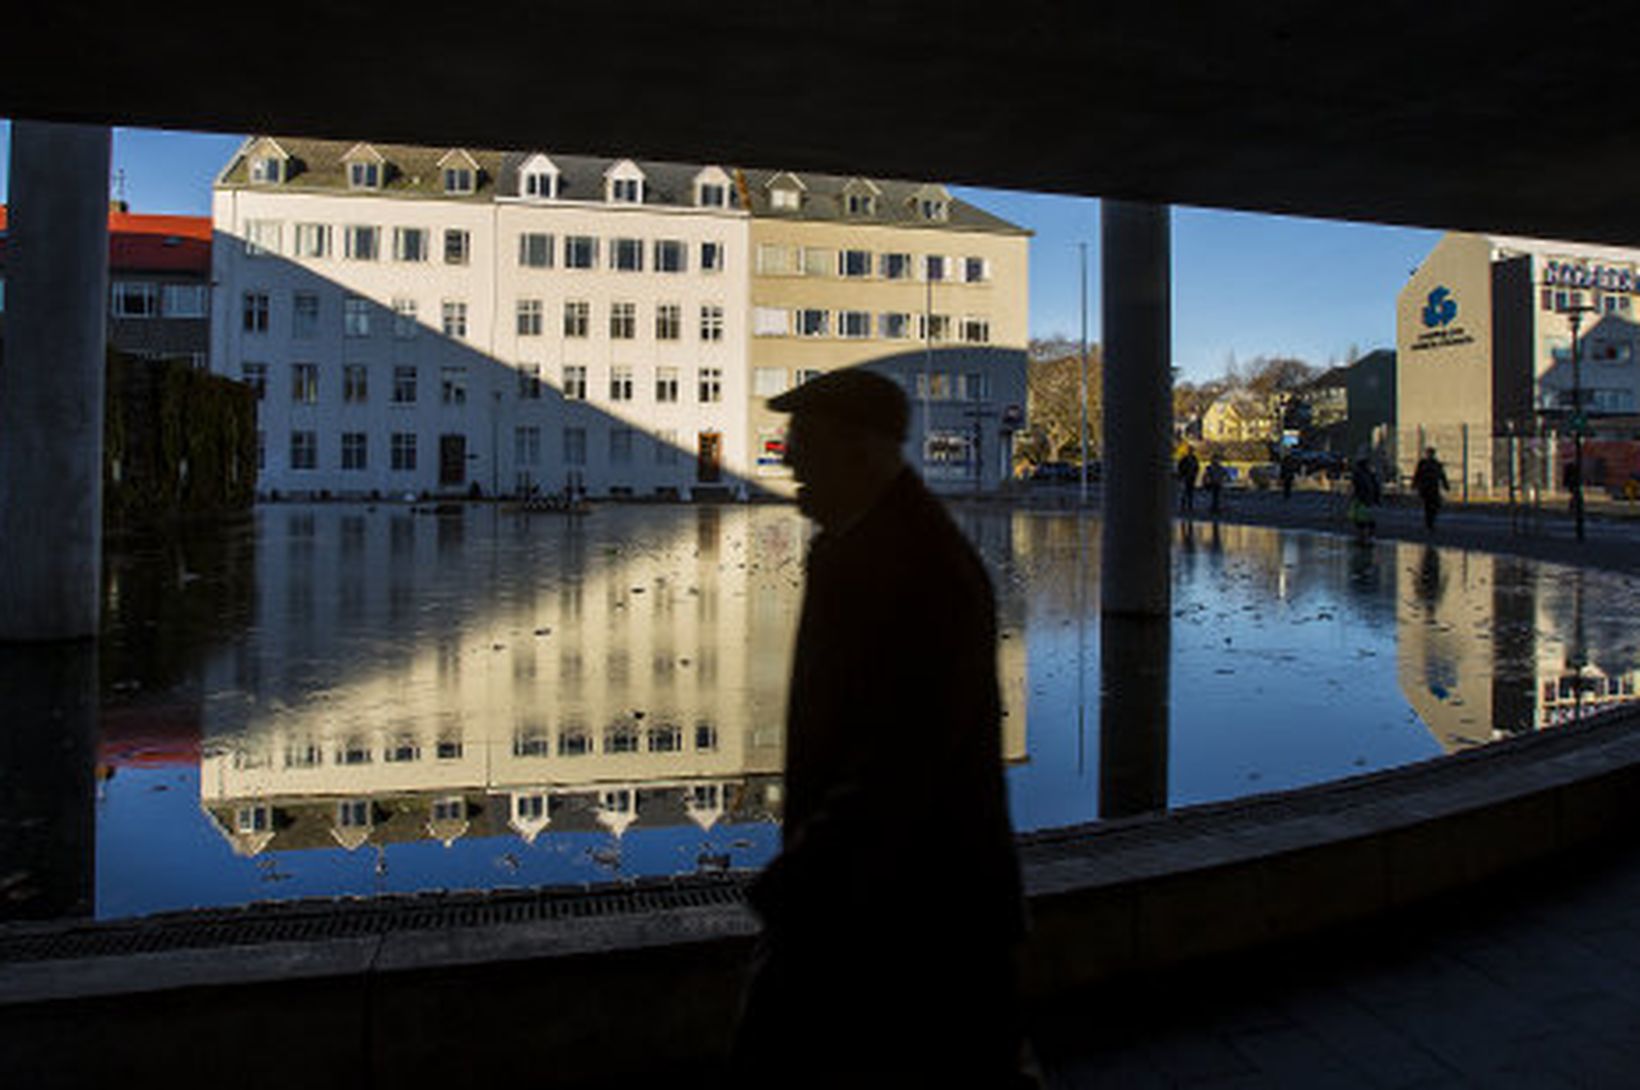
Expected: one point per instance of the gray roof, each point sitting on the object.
(412, 171)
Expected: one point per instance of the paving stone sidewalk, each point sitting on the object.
(1533, 981)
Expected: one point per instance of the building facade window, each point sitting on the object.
(529, 381)
(773, 260)
(580, 252)
(575, 382)
(813, 323)
(934, 327)
(854, 263)
(458, 246)
(771, 321)
(139, 299)
(623, 321)
(455, 318)
(409, 244)
(711, 384)
(976, 386)
(893, 326)
(620, 383)
(360, 242)
(976, 331)
(458, 180)
(529, 317)
(712, 195)
(711, 322)
(768, 381)
(817, 261)
(894, 266)
(255, 375)
(861, 204)
(304, 450)
(403, 451)
(304, 383)
(355, 384)
(620, 446)
(254, 312)
(626, 254)
(575, 446)
(364, 175)
(668, 322)
(304, 316)
(540, 183)
(577, 317)
(671, 256)
(355, 316)
(313, 240)
(975, 270)
(527, 445)
(354, 450)
(666, 385)
(263, 237)
(854, 324)
(626, 190)
(404, 318)
(711, 257)
(453, 385)
(268, 169)
(404, 384)
(535, 250)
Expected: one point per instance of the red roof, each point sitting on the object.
(150, 243)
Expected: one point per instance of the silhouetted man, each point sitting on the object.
(892, 914)
(1187, 470)
(1429, 480)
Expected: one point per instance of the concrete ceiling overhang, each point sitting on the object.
(1441, 115)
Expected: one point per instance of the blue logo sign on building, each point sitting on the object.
(1440, 308)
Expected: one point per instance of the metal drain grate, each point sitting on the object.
(307, 921)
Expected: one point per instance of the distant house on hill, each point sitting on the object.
(1239, 416)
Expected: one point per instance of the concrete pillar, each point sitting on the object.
(1136, 589)
(1135, 244)
(51, 381)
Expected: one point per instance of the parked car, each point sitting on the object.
(1063, 473)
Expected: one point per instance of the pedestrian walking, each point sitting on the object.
(1289, 470)
(1366, 493)
(1215, 480)
(1188, 470)
(1429, 481)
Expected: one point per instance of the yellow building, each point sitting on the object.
(903, 278)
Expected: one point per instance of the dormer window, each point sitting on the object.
(364, 175)
(861, 204)
(540, 184)
(626, 190)
(459, 172)
(714, 196)
(786, 192)
(931, 202)
(787, 199)
(538, 178)
(932, 208)
(458, 180)
(267, 163)
(269, 170)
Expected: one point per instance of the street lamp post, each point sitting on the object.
(1575, 314)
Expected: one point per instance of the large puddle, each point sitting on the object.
(347, 700)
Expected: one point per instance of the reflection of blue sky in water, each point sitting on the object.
(1296, 658)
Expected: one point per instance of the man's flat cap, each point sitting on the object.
(860, 399)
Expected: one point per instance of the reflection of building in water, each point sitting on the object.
(1489, 646)
(621, 672)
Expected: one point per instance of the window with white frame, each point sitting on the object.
(541, 184)
(711, 322)
(854, 324)
(773, 260)
(304, 383)
(527, 445)
(626, 254)
(623, 321)
(529, 317)
(711, 384)
(455, 318)
(818, 261)
(854, 263)
(364, 175)
(706, 736)
(252, 819)
(304, 315)
(671, 255)
(893, 326)
(933, 385)
(976, 330)
(450, 809)
(711, 257)
(769, 381)
(575, 382)
(664, 738)
(140, 299)
(934, 267)
(894, 266)
(626, 190)
(459, 179)
(577, 317)
(575, 446)
(355, 383)
(354, 450)
(402, 455)
(574, 741)
(668, 322)
(620, 446)
(255, 375)
(404, 318)
(409, 244)
(712, 195)
(262, 237)
(666, 384)
(932, 209)
(807, 374)
(404, 384)
(861, 204)
(785, 199)
(254, 312)
(356, 316)
(620, 382)
(975, 270)
(529, 381)
(580, 252)
(452, 383)
(361, 242)
(267, 169)
(535, 250)
(812, 322)
(304, 450)
(934, 327)
(976, 386)
(530, 740)
(771, 321)
(458, 245)
(313, 240)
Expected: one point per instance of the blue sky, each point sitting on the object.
(1243, 284)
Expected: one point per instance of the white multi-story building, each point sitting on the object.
(423, 319)
(443, 320)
